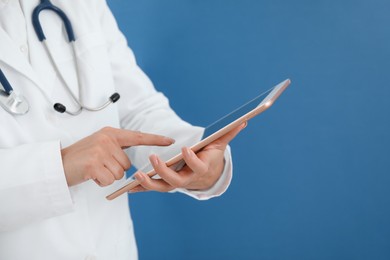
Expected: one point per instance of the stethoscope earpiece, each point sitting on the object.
(60, 108)
(115, 97)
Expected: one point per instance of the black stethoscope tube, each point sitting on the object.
(5, 83)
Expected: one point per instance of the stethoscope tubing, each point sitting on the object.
(9, 100)
(5, 83)
(17, 104)
(47, 5)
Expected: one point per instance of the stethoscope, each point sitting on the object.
(16, 103)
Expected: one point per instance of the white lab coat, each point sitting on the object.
(40, 217)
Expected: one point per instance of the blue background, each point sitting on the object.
(312, 174)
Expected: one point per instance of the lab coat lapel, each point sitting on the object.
(11, 55)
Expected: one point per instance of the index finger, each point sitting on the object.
(127, 138)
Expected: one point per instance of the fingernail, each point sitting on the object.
(169, 140)
(245, 124)
(154, 159)
(139, 177)
(188, 151)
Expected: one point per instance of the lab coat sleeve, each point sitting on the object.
(142, 108)
(219, 187)
(32, 184)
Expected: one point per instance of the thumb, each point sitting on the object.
(223, 141)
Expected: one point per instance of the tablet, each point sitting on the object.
(217, 129)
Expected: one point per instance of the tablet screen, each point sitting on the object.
(236, 114)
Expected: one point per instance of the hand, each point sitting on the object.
(202, 170)
(100, 156)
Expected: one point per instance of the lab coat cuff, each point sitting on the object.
(57, 187)
(219, 187)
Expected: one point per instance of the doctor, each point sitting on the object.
(56, 168)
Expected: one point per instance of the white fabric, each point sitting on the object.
(40, 217)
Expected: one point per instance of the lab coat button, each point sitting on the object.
(90, 257)
(24, 48)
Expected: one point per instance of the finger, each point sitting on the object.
(168, 175)
(152, 184)
(193, 161)
(138, 188)
(223, 141)
(115, 168)
(118, 154)
(121, 157)
(98, 182)
(104, 177)
(127, 138)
